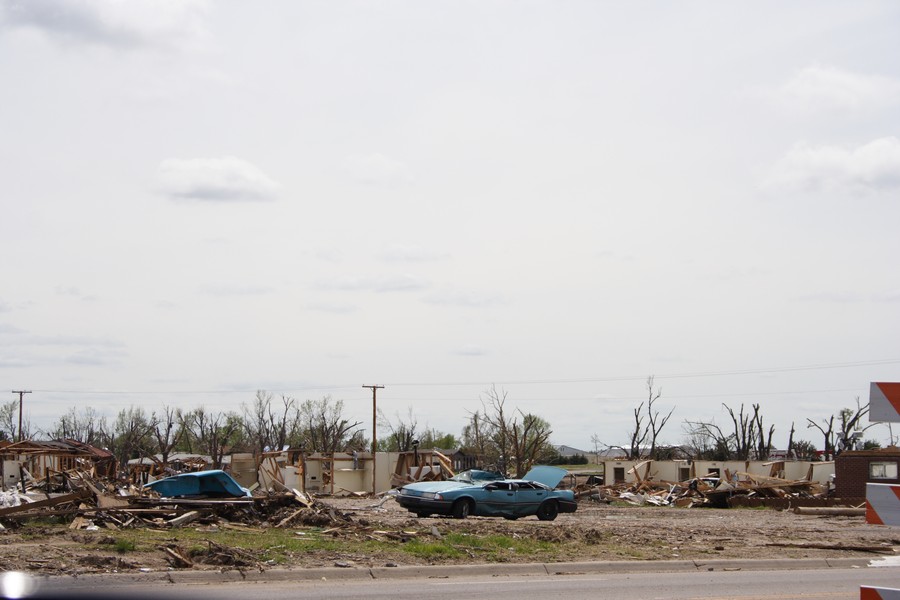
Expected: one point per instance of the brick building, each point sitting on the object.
(854, 469)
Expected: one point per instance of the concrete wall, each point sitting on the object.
(680, 470)
(347, 479)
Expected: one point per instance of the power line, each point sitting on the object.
(611, 379)
(820, 367)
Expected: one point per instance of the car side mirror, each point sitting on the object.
(490, 487)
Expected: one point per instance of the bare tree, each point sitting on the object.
(707, 440)
(851, 424)
(403, 432)
(827, 431)
(325, 427)
(167, 431)
(213, 433)
(763, 440)
(804, 450)
(9, 419)
(650, 429)
(517, 439)
(748, 438)
(791, 452)
(267, 428)
(597, 444)
(475, 438)
(83, 425)
(131, 435)
(530, 438)
(494, 417)
(838, 440)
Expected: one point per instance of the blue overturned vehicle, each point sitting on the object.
(488, 494)
(205, 484)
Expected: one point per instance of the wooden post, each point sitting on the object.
(375, 389)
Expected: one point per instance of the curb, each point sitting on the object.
(100, 580)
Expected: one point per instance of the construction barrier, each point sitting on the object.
(883, 504)
(874, 593)
(882, 499)
(884, 402)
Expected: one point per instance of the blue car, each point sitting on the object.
(487, 494)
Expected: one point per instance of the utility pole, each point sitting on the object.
(21, 394)
(374, 389)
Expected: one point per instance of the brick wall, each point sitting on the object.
(851, 471)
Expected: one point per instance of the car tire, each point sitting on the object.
(462, 509)
(548, 510)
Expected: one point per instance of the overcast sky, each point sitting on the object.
(560, 198)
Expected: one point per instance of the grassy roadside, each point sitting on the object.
(282, 547)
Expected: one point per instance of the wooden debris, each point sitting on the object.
(177, 558)
(830, 510)
(817, 545)
(184, 519)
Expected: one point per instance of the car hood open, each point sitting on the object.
(549, 476)
(438, 486)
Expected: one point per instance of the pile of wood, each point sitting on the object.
(706, 492)
(424, 465)
(89, 503)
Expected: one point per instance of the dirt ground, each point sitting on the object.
(595, 532)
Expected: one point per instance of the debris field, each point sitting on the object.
(80, 530)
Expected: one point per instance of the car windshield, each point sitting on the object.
(476, 475)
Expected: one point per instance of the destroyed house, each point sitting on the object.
(461, 460)
(853, 469)
(44, 459)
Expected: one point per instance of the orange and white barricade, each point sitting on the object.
(883, 504)
(884, 402)
(874, 593)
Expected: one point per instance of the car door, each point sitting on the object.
(499, 497)
(528, 497)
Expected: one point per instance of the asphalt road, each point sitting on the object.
(833, 584)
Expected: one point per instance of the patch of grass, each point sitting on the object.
(432, 549)
(283, 546)
(489, 547)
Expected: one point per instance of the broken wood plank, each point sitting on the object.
(824, 546)
(301, 498)
(73, 497)
(184, 519)
(842, 511)
(177, 558)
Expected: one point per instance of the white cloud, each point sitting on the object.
(225, 179)
(871, 167)
(399, 283)
(465, 299)
(470, 350)
(115, 23)
(389, 283)
(337, 308)
(400, 253)
(889, 296)
(829, 88)
(21, 349)
(378, 169)
(224, 289)
(834, 297)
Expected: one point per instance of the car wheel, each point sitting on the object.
(462, 509)
(548, 510)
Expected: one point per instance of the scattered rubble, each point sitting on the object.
(96, 506)
(735, 489)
